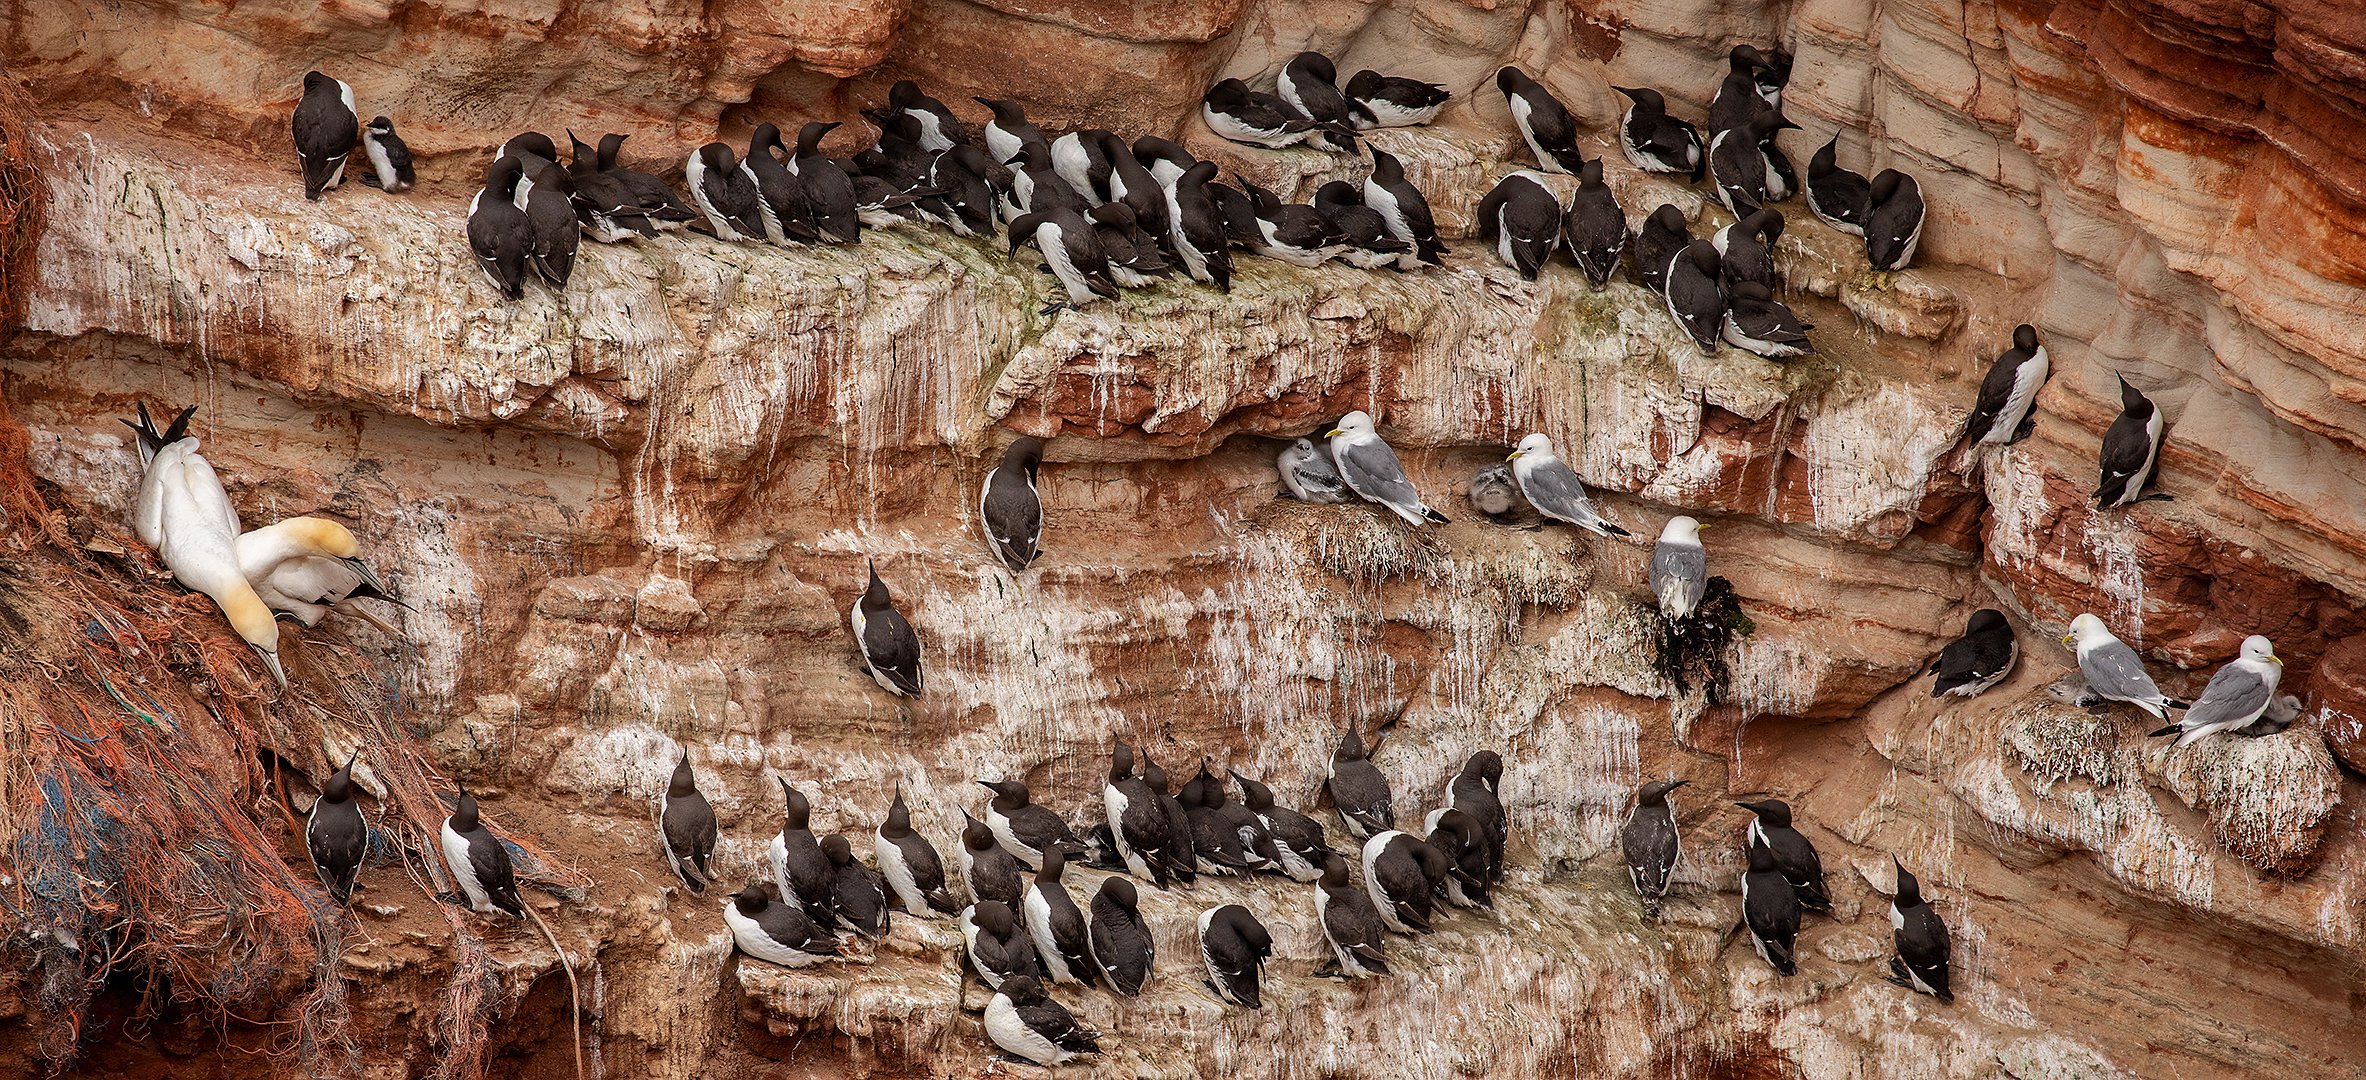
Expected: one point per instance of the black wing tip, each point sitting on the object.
(2165, 732)
(1615, 530)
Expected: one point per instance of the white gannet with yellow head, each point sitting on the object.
(186, 516)
(307, 567)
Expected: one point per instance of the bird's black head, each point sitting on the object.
(314, 80)
(1121, 761)
(809, 137)
(837, 850)
(2025, 338)
(1121, 892)
(716, 156)
(904, 94)
(1025, 453)
(1670, 219)
(974, 834)
(797, 813)
(2132, 400)
(1254, 795)
(1053, 863)
(464, 814)
(1909, 889)
(1009, 795)
(1645, 98)
(1022, 229)
(1227, 93)
(1745, 58)
(1986, 620)
(1314, 65)
(899, 817)
(1433, 862)
(994, 917)
(381, 125)
(532, 142)
(1750, 290)
(751, 901)
(1885, 184)
(1656, 792)
(1211, 790)
(1334, 870)
(1773, 813)
(875, 592)
(765, 139)
(1154, 775)
(1486, 766)
(340, 786)
(1242, 923)
(1703, 257)
(1589, 175)
(1022, 989)
(1336, 196)
(611, 144)
(1510, 80)
(684, 783)
(1762, 857)
(1006, 113)
(1351, 745)
(502, 177)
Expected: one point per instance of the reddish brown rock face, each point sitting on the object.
(633, 522)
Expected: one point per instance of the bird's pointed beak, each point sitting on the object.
(368, 576)
(1331, 434)
(2276, 660)
(2068, 638)
(271, 660)
(990, 786)
(1514, 456)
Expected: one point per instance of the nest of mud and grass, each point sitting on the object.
(1698, 646)
(148, 837)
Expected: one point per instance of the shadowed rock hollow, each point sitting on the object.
(631, 518)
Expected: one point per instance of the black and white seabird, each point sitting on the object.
(1131, 185)
(858, 896)
(1215, 842)
(390, 159)
(776, 933)
(1383, 101)
(1695, 297)
(1080, 160)
(1550, 485)
(996, 944)
(1358, 789)
(1839, 196)
(1195, 227)
(1369, 245)
(1182, 850)
(1008, 130)
(1133, 254)
(1893, 220)
(939, 128)
(1651, 843)
(1921, 962)
(1520, 220)
(1405, 210)
(1309, 475)
(895, 155)
(1462, 843)
(1072, 251)
(1234, 946)
(1123, 950)
(608, 209)
(2131, 450)
(1403, 873)
(829, 191)
(1309, 85)
(1757, 322)
(1738, 96)
(1056, 927)
(1476, 790)
(1655, 141)
(1298, 841)
(1137, 818)
(552, 231)
(327, 132)
(1663, 235)
(1595, 228)
(1544, 123)
(498, 234)
(890, 648)
(1770, 908)
(1035, 188)
(1012, 512)
(336, 835)
(664, 209)
(723, 192)
(1745, 177)
(1258, 847)
(686, 826)
(1026, 1023)
(799, 868)
(1023, 828)
(1493, 492)
(1679, 568)
(2005, 412)
(478, 861)
(1352, 926)
(780, 196)
(1240, 216)
(1746, 248)
(910, 864)
(1294, 233)
(1794, 854)
(2235, 698)
(2113, 670)
(1233, 111)
(990, 872)
(1981, 658)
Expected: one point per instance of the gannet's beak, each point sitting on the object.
(368, 576)
(271, 660)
